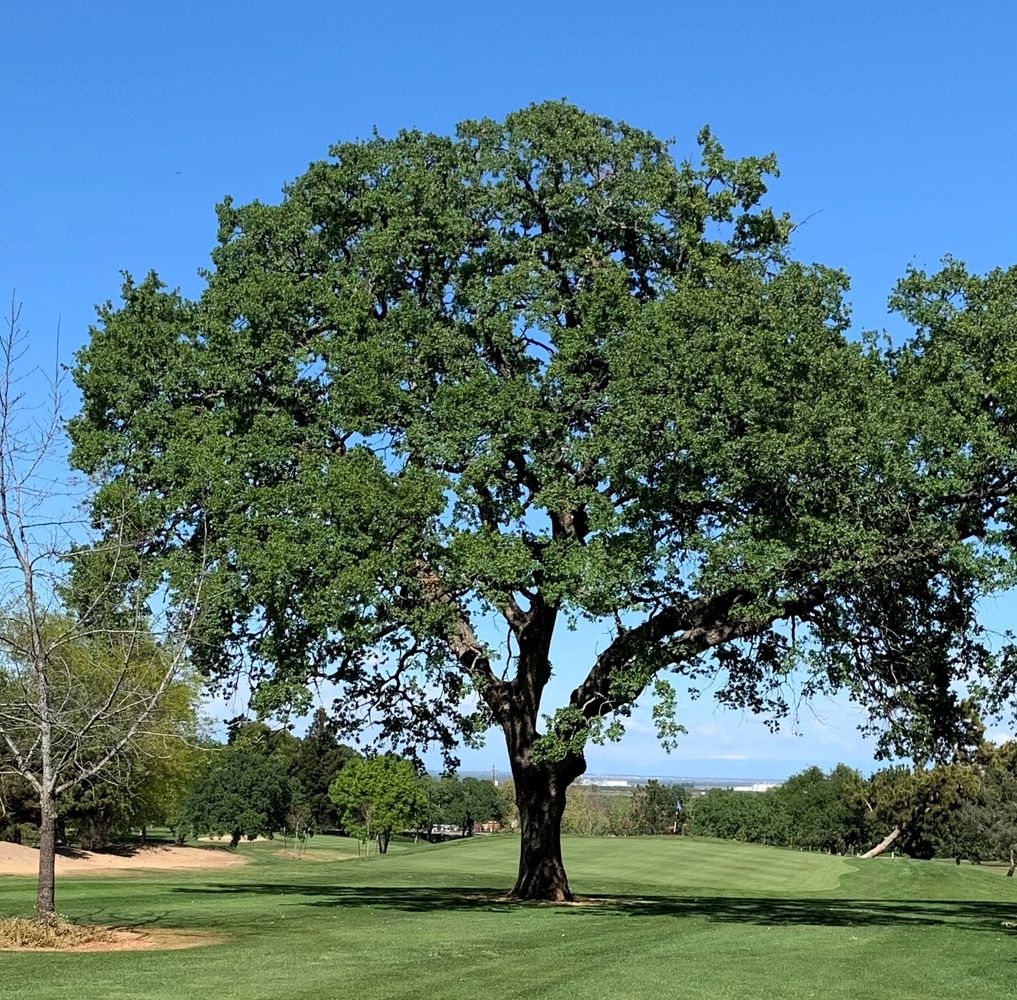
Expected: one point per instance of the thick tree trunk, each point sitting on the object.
(540, 797)
(540, 784)
(383, 843)
(1013, 864)
(45, 905)
(887, 841)
(235, 838)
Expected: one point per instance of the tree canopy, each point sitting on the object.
(982, 824)
(316, 761)
(462, 802)
(452, 392)
(656, 808)
(377, 797)
(148, 785)
(242, 792)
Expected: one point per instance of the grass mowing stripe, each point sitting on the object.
(686, 918)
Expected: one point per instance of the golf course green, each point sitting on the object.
(659, 918)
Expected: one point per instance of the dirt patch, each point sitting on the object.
(315, 856)
(16, 859)
(25, 935)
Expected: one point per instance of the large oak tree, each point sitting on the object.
(453, 394)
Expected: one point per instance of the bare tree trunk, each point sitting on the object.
(890, 839)
(1013, 864)
(45, 899)
(540, 798)
(541, 870)
(61, 727)
(45, 905)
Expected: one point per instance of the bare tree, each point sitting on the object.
(83, 669)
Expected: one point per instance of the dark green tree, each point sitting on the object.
(758, 817)
(482, 803)
(462, 802)
(316, 763)
(311, 763)
(453, 393)
(823, 811)
(242, 792)
(436, 794)
(961, 833)
(19, 805)
(905, 805)
(996, 807)
(656, 808)
(983, 823)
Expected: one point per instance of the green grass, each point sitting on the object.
(679, 918)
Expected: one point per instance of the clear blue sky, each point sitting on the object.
(123, 123)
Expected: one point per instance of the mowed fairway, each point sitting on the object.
(662, 919)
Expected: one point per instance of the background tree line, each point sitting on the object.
(268, 781)
(962, 810)
(265, 782)
(650, 809)
(143, 786)
(262, 782)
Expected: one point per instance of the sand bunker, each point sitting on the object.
(16, 859)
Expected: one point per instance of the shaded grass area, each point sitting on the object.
(766, 910)
(660, 918)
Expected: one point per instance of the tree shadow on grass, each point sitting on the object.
(769, 911)
(75, 853)
(129, 849)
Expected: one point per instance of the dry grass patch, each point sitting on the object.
(24, 934)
